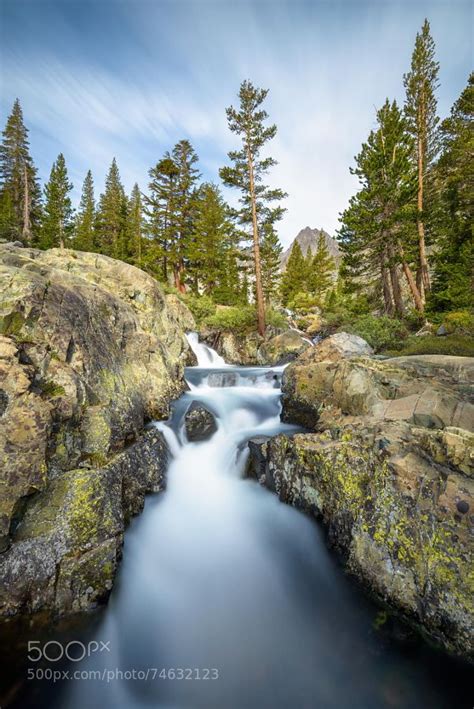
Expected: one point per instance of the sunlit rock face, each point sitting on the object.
(282, 348)
(90, 349)
(389, 468)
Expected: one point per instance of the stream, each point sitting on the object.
(228, 599)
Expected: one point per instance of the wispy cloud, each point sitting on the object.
(128, 78)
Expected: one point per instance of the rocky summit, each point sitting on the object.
(90, 350)
(388, 466)
(307, 238)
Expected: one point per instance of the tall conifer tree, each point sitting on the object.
(453, 283)
(85, 220)
(247, 174)
(421, 83)
(160, 208)
(20, 196)
(135, 227)
(294, 279)
(111, 215)
(321, 273)
(185, 159)
(57, 225)
(270, 252)
(373, 232)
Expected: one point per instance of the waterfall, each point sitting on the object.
(206, 356)
(221, 581)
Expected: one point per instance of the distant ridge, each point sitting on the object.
(308, 239)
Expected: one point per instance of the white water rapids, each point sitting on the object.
(218, 576)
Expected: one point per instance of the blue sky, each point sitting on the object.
(128, 78)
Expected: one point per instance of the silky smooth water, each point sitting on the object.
(228, 599)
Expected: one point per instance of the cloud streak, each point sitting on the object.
(128, 79)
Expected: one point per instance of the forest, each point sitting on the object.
(406, 235)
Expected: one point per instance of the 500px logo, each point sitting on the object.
(74, 650)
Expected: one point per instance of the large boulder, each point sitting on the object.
(282, 348)
(390, 469)
(199, 422)
(400, 518)
(66, 544)
(90, 350)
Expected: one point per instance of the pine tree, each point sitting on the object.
(161, 210)
(111, 213)
(57, 224)
(185, 158)
(84, 237)
(321, 275)
(294, 278)
(270, 253)
(421, 83)
(207, 252)
(373, 233)
(453, 283)
(247, 175)
(135, 227)
(20, 196)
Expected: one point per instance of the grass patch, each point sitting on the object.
(458, 345)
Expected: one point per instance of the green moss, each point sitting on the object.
(12, 324)
(50, 389)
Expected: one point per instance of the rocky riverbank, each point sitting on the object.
(389, 468)
(90, 350)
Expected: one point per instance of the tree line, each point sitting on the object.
(406, 235)
(180, 229)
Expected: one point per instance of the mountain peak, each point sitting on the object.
(308, 238)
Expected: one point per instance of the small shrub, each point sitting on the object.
(413, 319)
(276, 319)
(202, 306)
(243, 319)
(303, 302)
(380, 332)
(459, 321)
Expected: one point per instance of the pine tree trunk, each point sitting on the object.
(425, 276)
(419, 305)
(26, 231)
(387, 293)
(178, 273)
(396, 290)
(256, 252)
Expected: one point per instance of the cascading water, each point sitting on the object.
(228, 599)
(206, 356)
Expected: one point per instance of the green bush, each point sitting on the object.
(240, 319)
(413, 319)
(276, 319)
(380, 332)
(303, 302)
(458, 345)
(459, 321)
(201, 306)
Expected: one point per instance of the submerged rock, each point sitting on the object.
(90, 349)
(391, 472)
(222, 379)
(199, 423)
